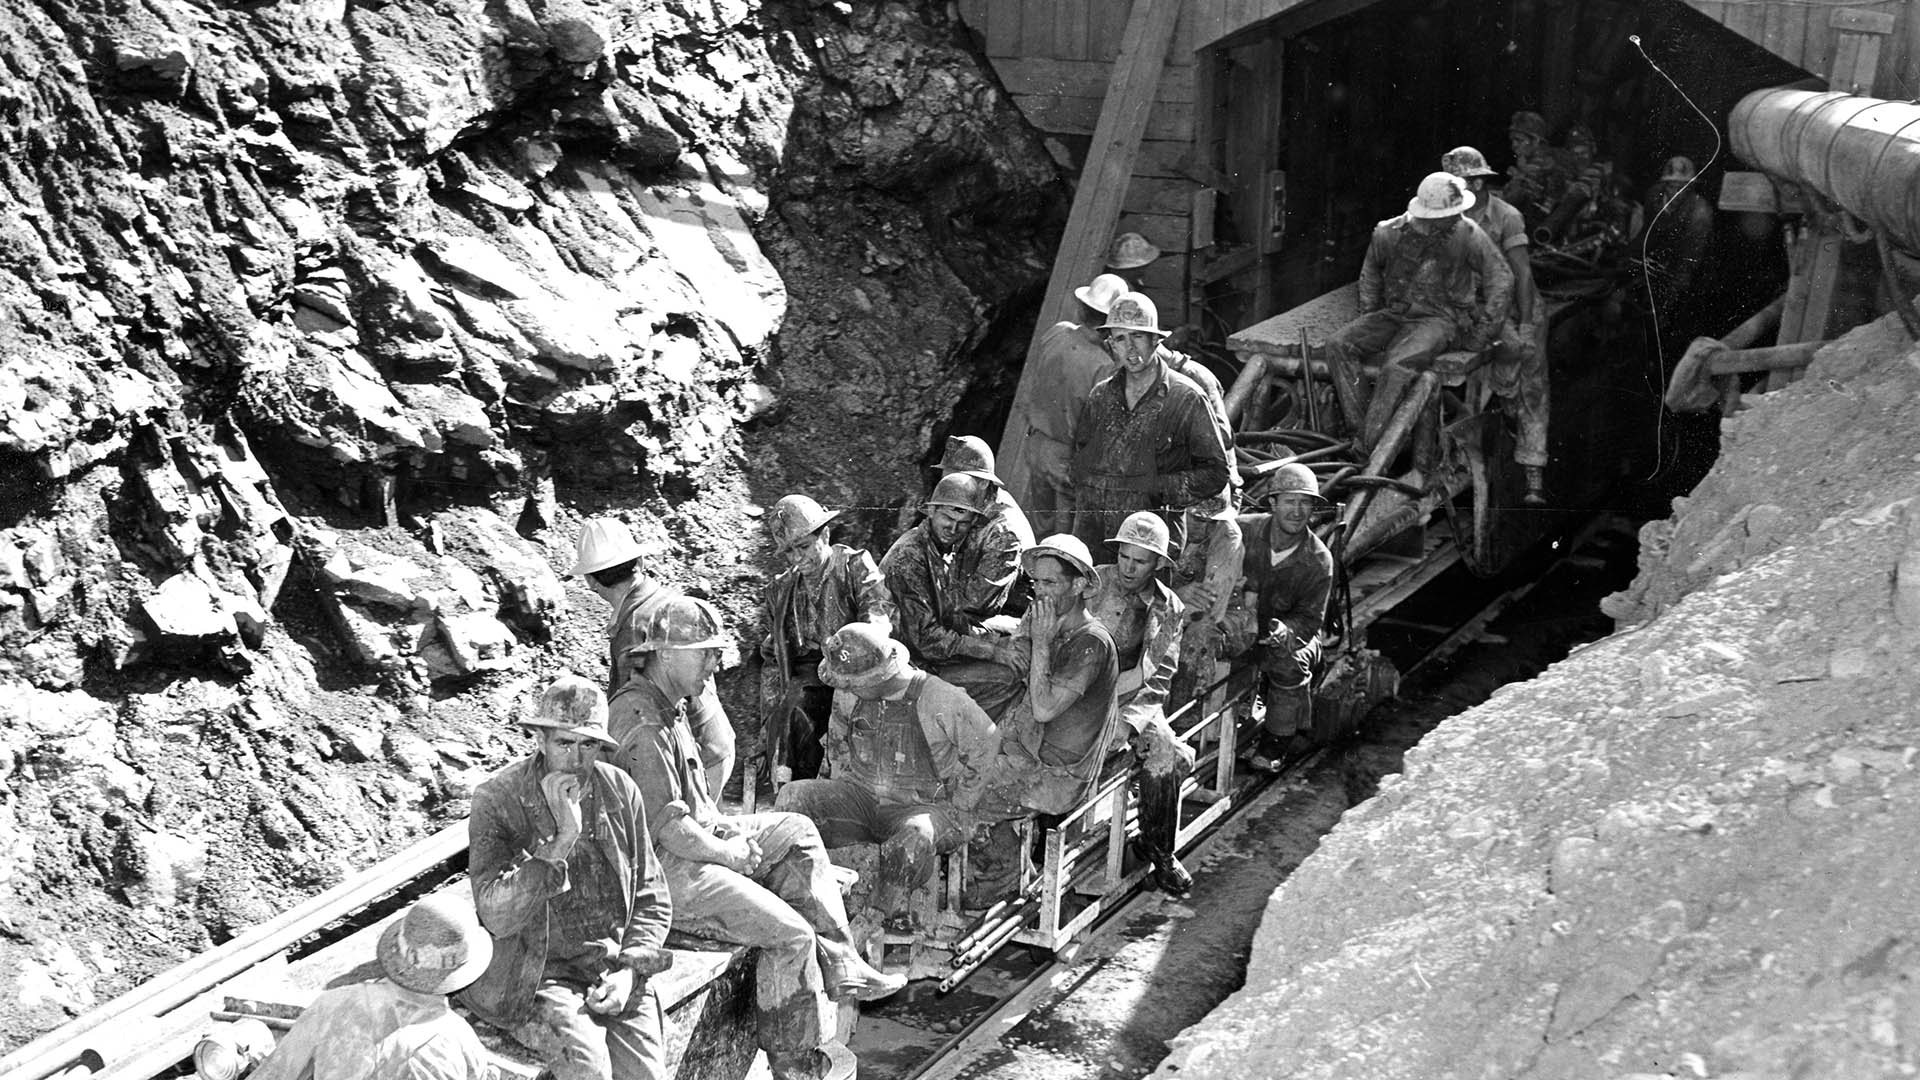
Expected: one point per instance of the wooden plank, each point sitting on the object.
(1180, 53)
(1090, 228)
(1861, 20)
(1149, 196)
(1748, 20)
(1818, 50)
(1209, 22)
(1072, 31)
(1082, 78)
(1002, 29)
(1166, 120)
(1036, 27)
(975, 14)
(1786, 31)
(1823, 278)
(1716, 12)
(1846, 62)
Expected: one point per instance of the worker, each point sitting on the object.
(1205, 576)
(930, 585)
(1678, 234)
(1519, 369)
(989, 557)
(1537, 177)
(1129, 255)
(398, 1026)
(824, 587)
(1070, 357)
(1146, 437)
(566, 882)
(1144, 618)
(909, 752)
(1431, 281)
(1289, 576)
(762, 880)
(1058, 731)
(609, 560)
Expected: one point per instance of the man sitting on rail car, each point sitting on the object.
(1289, 575)
(1519, 369)
(1204, 576)
(757, 879)
(609, 560)
(565, 880)
(397, 1027)
(824, 587)
(1418, 298)
(1143, 616)
(930, 584)
(1147, 437)
(989, 557)
(909, 752)
(1054, 737)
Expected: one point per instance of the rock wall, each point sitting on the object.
(325, 323)
(1684, 851)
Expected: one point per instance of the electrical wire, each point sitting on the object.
(1646, 237)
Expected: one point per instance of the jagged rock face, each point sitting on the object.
(1683, 851)
(325, 324)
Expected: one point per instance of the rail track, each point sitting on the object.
(151, 1031)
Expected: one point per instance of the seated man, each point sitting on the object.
(909, 752)
(609, 560)
(1144, 618)
(759, 879)
(930, 583)
(989, 558)
(397, 1027)
(824, 587)
(1289, 575)
(1057, 732)
(1204, 577)
(1431, 282)
(566, 883)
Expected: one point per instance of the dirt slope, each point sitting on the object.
(1686, 850)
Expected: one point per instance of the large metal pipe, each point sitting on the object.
(1862, 153)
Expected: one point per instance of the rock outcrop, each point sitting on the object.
(324, 325)
(1681, 852)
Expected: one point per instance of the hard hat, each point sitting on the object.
(684, 622)
(795, 516)
(1290, 479)
(437, 947)
(230, 1051)
(861, 655)
(571, 703)
(1530, 123)
(1679, 167)
(1580, 133)
(1144, 529)
(1130, 251)
(1101, 292)
(604, 542)
(1218, 506)
(1466, 163)
(1441, 194)
(1067, 548)
(968, 454)
(1134, 311)
(966, 491)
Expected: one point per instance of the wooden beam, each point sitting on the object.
(1096, 203)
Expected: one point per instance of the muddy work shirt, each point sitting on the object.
(1454, 273)
(1163, 450)
(378, 1031)
(1082, 659)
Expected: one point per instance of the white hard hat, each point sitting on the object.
(604, 542)
(1441, 194)
(1134, 311)
(1101, 292)
(1144, 529)
(1131, 251)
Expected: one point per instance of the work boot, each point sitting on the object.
(830, 1062)
(1168, 873)
(1536, 485)
(849, 977)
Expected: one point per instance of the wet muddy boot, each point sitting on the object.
(1159, 802)
(848, 976)
(830, 1062)
(1536, 485)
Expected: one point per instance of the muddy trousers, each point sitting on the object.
(576, 1044)
(1402, 346)
(911, 835)
(1158, 790)
(1519, 375)
(790, 909)
(1286, 688)
(796, 723)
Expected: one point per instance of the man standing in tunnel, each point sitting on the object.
(1519, 369)
(1431, 281)
(1146, 438)
(1070, 358)
(1289, 576)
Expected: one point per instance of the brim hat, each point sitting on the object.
(571, 703)
(1441, 194)
(437, 947)
(968, 455)
(604, 543)
(1466, 163)
(1134, 311)
(684, 622)
(1100, 293)
(1290, 479)
(859, 656)
(1131, 251)
(1067, 548)
(1144, 529)
(795, 516)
